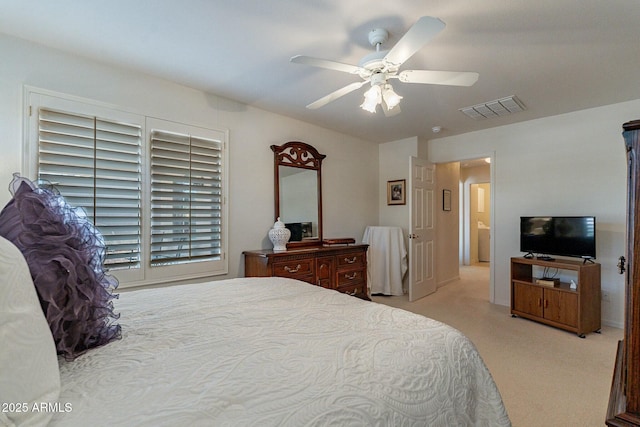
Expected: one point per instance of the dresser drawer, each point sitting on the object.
(359, 290)
(350, 260)
(350, 277)
(296, 269)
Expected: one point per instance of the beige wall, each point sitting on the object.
(571, 164)
(349, 180)
(393, 165)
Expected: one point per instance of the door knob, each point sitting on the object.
(413, 236)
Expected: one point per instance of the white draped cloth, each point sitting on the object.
(386, 259)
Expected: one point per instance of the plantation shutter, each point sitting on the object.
(95, 163)
(186, 198)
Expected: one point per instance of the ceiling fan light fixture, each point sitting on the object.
(372, 98)
(391, 98)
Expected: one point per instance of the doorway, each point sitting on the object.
(476, 216)
(475, 213)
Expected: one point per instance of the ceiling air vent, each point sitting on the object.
(499, 107)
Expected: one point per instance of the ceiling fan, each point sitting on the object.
(379, 67)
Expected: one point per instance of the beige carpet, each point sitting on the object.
(547, 377)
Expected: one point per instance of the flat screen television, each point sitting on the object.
(570, 236)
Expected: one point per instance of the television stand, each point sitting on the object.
(557, 304)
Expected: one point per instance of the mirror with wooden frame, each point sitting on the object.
(298, 192)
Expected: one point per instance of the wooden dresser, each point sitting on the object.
(343, 268)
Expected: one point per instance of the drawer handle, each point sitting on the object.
(350, 261)
(350, 276)
(292, 270)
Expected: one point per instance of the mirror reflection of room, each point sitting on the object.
(299, 202)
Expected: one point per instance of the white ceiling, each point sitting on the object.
(557, 56)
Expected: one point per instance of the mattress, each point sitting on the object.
(276, 352)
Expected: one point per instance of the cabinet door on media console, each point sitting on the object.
(549, 304)
(561, 307)
(527, 299)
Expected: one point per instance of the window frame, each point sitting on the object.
(146, 275)
(188, 269)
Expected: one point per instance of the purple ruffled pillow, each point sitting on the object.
(65, 254)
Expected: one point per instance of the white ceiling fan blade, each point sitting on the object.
(451, 78)
(335, 95)
(422, 31)
(325, 63)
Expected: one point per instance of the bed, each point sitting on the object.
(236, 352)
(275, 352)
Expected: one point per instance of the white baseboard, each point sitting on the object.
(612, 324)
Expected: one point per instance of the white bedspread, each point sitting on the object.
(276, 352)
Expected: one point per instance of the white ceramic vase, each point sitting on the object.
(279, 236)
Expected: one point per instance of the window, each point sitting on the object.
(155, 189)
(186, 198)
(96, 164)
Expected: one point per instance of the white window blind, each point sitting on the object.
(155, 188)
(95, 163)
(186, 198)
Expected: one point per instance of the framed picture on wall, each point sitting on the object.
(396, 192)
(446, 200)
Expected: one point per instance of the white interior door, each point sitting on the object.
(422, 279)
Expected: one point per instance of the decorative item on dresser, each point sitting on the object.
(624, 401)
(279, 236)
